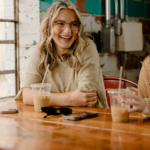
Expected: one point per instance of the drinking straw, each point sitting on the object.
(44, 77)
(120, 81)
(120, 77)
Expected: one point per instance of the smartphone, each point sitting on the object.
(8, 108)
(79, 116)
(8, 111)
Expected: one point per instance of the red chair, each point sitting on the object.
(113, 83)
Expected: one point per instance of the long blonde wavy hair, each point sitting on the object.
(46, 45)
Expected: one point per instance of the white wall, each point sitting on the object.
(29, 32)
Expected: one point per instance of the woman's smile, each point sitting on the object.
(65, 38)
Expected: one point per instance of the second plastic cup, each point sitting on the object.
(41, 95)
(117, 108)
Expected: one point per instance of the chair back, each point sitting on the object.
(113, 83)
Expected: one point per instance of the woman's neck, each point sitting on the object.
(61, 51)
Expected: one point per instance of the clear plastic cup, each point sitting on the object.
(41, 95)
(117, 108)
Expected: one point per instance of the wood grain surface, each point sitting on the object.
(28, 130)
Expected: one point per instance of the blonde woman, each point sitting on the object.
(74, 70)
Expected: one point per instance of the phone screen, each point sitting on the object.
(79, 116)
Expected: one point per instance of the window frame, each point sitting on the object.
(15, 42)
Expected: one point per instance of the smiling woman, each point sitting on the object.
(74, 66)
(65, 30)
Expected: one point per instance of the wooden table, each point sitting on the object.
(28, 130)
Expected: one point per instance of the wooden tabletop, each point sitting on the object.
(28, 130)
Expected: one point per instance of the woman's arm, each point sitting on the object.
(90, 74)
(81, 97)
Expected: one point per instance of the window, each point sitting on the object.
(9, 68)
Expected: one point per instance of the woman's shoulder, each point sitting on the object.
(146, 61)
(35, 57)
(89, 42)
(90, 46)
(36, 52)
(90, 50)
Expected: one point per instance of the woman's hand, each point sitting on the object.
(83, 97)
(139, 104)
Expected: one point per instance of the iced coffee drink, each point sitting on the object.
(117, 108)
(119, 114)
(41, 95)
(41, 101)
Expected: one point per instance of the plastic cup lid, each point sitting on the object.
(116, 91)
(40, 84)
